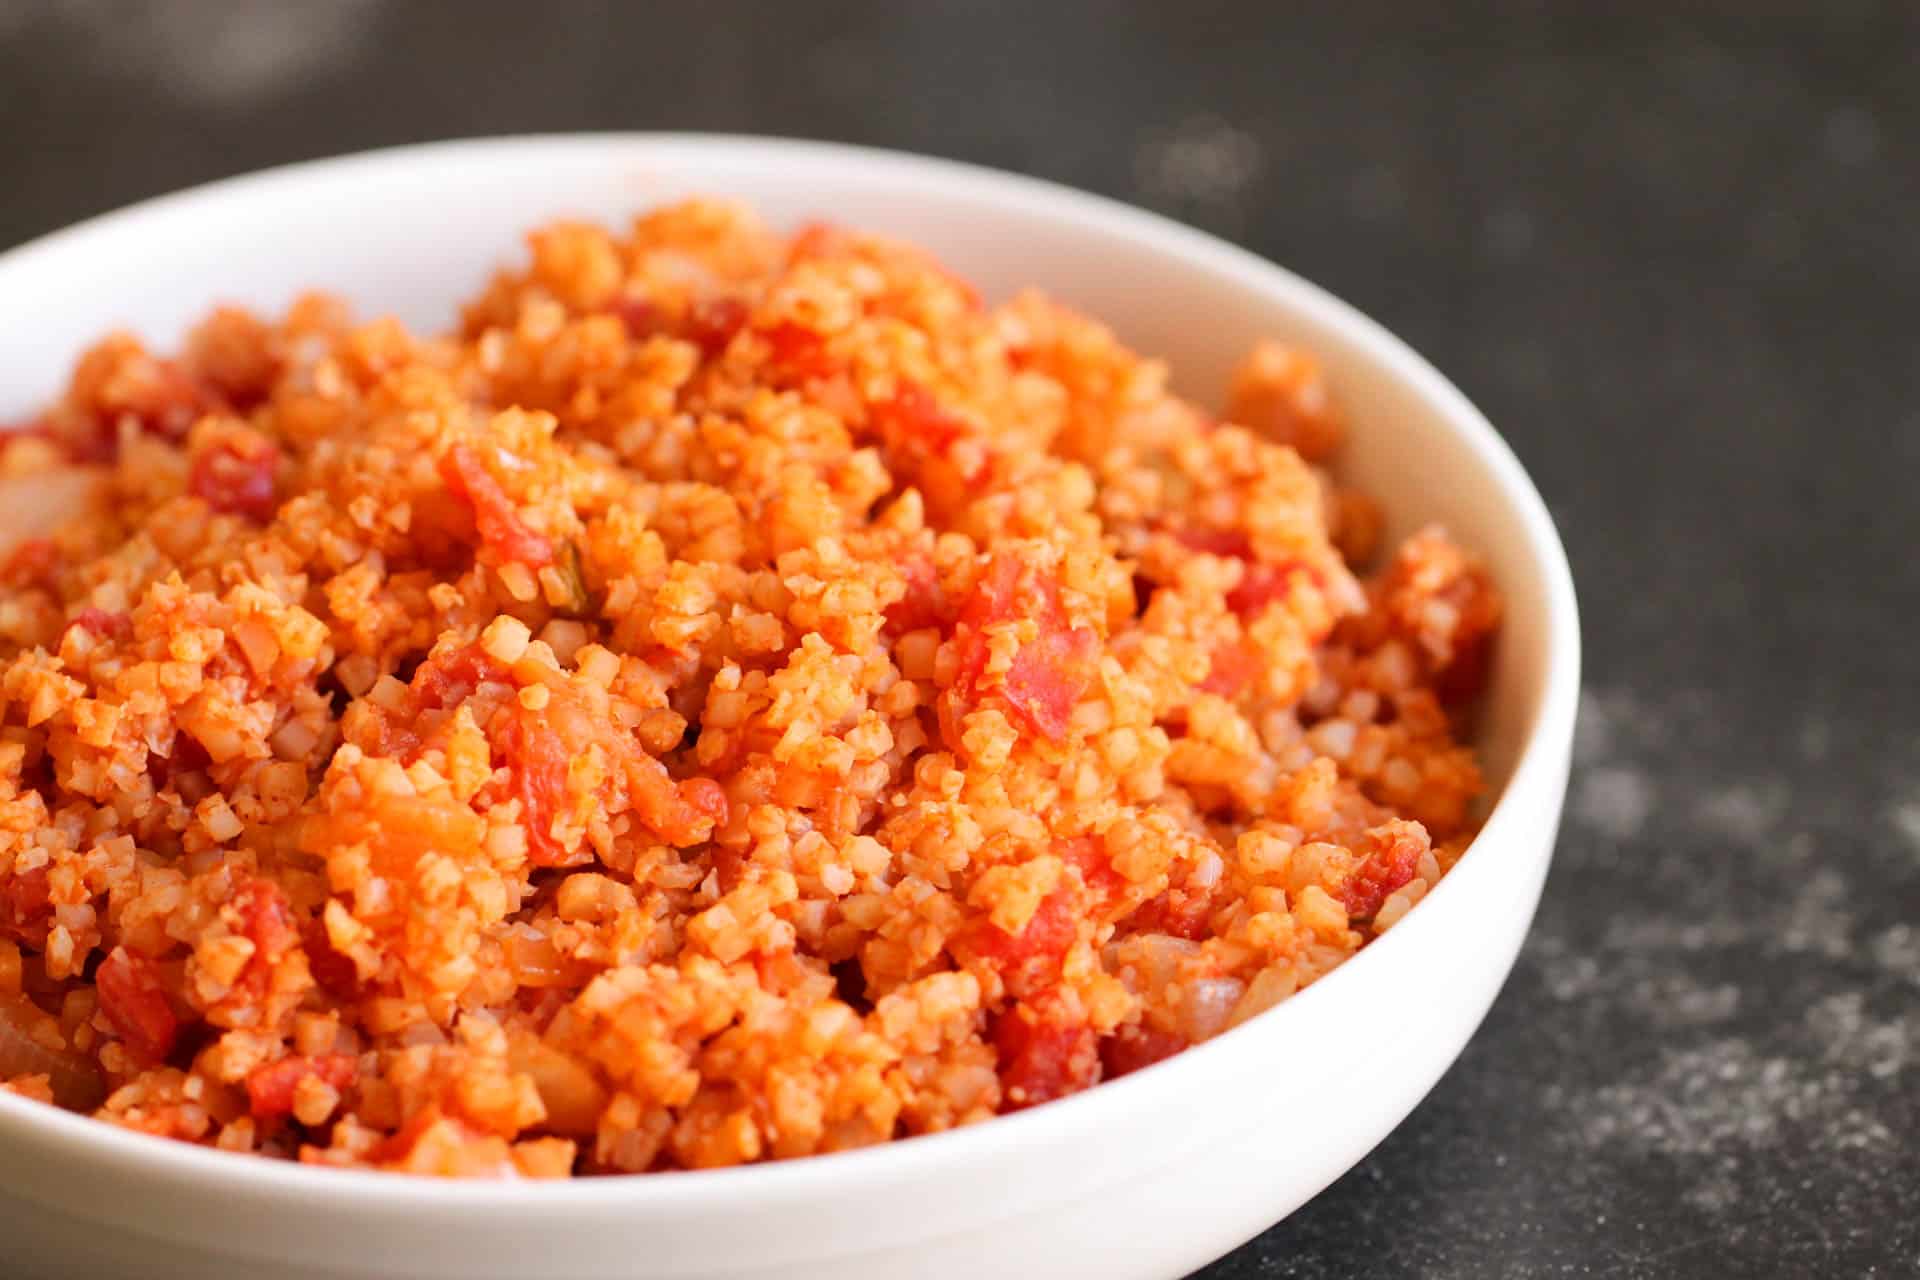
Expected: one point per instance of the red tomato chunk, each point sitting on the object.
(1042, 1057)
(270, 1089)
(1048, 674)
(102, 623)
(136, 1005)
(1048, 933)
(913, 421)
(236, 480)
(536, 760)
(501, 529)
(1131, 1048)
(1394, 850)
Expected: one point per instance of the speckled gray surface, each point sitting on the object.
(1675, 263)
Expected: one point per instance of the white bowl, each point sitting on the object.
(1149, 1176)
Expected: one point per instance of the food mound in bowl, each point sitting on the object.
(736, 697)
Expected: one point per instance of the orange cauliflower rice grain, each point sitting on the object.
(736, 697)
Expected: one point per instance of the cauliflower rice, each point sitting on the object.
(736, 697)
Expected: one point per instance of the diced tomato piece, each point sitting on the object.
(913, 421)
(498, 521)
(1048, 933)
(26, 906)
(1133, 1047)
(798, 353)
(1043, 1055)
(270, 1088)
(450, 676)
(136, 1005)
(709, 323)
(1235, 666)
(1089, 854)
(102, 623)
(266, 920)
(236, 479)
(639, 315)
(1179, 912)
(1048, 673)
(1391, 854)
(1230, 543)
(924, 604)
(705, 796)
(334, 972)
(536, 762)
(1262, 583)
(1047, 678)
(682, 814)
(712, 322)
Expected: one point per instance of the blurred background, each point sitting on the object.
(1675, 261)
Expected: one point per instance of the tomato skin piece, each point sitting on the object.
(498, 521)
(537, 762)
(270, 1088)
(136, 1005)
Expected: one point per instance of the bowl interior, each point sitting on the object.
(413, 232)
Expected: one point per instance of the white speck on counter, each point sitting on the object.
(1202, 160)
(223, 53)
(1613, 800)
(1851, 1038)
(1817, 919)
(1745, 811)
(1898, 952)
(1906, 820)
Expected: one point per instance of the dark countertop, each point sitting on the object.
(1676, 264)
